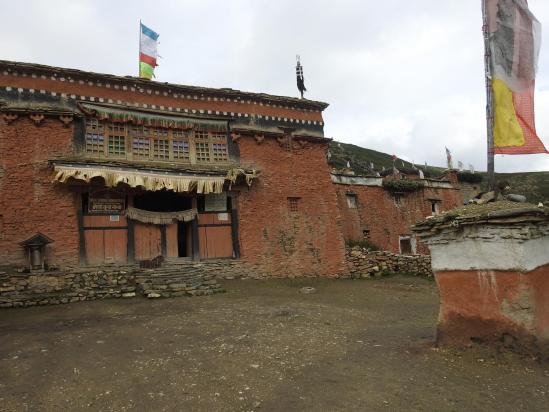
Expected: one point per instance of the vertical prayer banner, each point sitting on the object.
(148, 41)
(514, 37)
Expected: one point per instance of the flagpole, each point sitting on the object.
(489, 100)
(139, 52)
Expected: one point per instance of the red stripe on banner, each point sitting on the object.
(524, 109)
(147, 59)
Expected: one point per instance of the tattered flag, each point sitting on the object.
(300, 78)
(514, 36)
(449, 159)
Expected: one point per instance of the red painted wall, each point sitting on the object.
(486, 305)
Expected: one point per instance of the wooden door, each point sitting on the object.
(215, 235)
(172, 249)
(148, 241)
(105, 239)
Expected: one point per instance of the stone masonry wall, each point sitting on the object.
(24, 289)
(364, 264)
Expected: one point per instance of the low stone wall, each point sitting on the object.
(52, 288)
(364, 264)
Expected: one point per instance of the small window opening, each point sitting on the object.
(435, 207)
(351, 200)
(405, 245)
(293, 204)
(366, 234)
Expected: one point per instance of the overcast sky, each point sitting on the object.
(403, 77)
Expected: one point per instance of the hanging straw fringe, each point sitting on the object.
(160, 218)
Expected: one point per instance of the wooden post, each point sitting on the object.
(131, 241)
(196, 244)
(81, 237)
(489, 100)
(234, 233)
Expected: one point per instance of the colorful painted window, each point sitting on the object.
(95, 138)
(140, 139)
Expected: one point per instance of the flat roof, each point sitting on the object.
(8, 66)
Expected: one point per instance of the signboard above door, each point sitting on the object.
(215, 202)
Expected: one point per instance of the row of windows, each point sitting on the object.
(352, 202)
(150, 143)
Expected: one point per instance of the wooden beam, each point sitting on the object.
(81, 237)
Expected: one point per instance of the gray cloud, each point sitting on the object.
(401, 77)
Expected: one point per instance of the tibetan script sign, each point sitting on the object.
(106, 206)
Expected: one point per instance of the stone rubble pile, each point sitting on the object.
(363, 263)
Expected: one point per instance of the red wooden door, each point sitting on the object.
(215, 235)
(105, 239)
(148, 241)
(172, 249)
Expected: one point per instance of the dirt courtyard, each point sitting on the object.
(351, 346)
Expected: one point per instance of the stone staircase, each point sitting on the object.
(177, 278)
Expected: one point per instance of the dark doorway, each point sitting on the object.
(162, 201)
(405, 246)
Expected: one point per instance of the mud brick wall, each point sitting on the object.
(29, 201)
(364, 264)
(282, 241)
(377, 212)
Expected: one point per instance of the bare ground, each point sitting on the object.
(354, 345)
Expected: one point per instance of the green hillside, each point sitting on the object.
(360, 159)
(533, 185)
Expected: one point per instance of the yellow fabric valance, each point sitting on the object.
(149, 180)
(160, 218)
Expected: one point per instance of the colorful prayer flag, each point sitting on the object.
(147, 52)
(514, 37)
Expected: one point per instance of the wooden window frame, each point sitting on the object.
(214, 143)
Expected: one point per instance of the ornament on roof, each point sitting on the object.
(299, 75)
